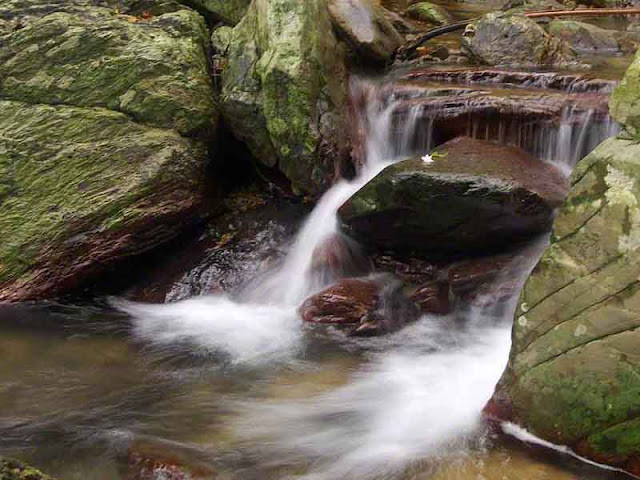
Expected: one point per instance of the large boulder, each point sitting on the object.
(366, 29)
(228, 11)
(573, 373)
(429, 13)
(284, 90)
(473, 197)
(625, 100)
(503, 38)
(584, 37)
(153, 69)
(81, 188)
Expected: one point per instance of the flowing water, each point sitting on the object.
(238, 382)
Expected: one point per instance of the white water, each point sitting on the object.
(419, 396)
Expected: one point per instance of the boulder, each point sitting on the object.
(366, 29)
(625, 100)
(473, 197)
(368, 306)
(433, 298)
(154, 69)
(15, 470)
(429, 13)
(572, 376)
(284, 90)
(82, 188)
(228, 11)
(584, 37)
(503, 38)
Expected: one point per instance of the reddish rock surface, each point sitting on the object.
(433, 298)
(156, 461)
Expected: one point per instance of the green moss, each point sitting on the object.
(620, 440)
(430, 13)
(15, 470)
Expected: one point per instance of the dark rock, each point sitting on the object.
(510, 39)
(475, 197)
(470, 276)
(339, 256)
(364, 306)
(433, 298)
(365, 28)
(413, 271)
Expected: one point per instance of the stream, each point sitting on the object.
(237, 382)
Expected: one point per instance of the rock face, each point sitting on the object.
(284, 89)
(584, 36)
(510, 39)
(365, 28)
(473, 198)
(104, 119)
(625, 101)
(429, 13)
(573, 372)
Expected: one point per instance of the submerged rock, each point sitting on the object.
(365, 306)
(81, 189)
(365, 28)
(583, 36)
(284, 90)
(474, 197)
(502, 38)
(15, 470)
(573, 372)
(429, 13)
(158, 460)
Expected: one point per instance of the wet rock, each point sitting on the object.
(433, 298)
(339, 256)
(284, 90)
(572, 376)
(83, 189)
(429, 13)
(474, 197)
(584, 37)
(413, 271)
(364, 306)
(15, 470)
(511, 39)
(166, 461)
(365, 28)
(472, 275)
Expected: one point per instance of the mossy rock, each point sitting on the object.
(574, 373)
(584, 37)
(83, 188)
(625, 100)
(284, 90)
(229, 11)
(429, 13)
(15, 470)
(153, 68)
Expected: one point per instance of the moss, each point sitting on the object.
(624, 105)
(15, 470)
(430, 13)
(620, 440)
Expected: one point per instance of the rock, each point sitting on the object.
(162, 460)
(284, 90)
(228, 11)
(625, 100)
(501, 38)
(412, 271)
(573, 376)
(84, 188)
(365, 28)
(221, 39)
(429, 13)
(433, 298)
(153, 69)
(584, 37)
(399, 23)
(475, 197)
(15, 470)
(364, 306)
(471, 275)
(339, 256)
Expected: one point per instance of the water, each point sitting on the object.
(239, 382)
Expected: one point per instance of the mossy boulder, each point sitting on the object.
(584, 37)
(625, 100)
(365, 28)
(574, 373)
(472, 198)
(504, 38)
(429, 13)
(284, 90)
(82, 188)
(153, 68)
(15, 470)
